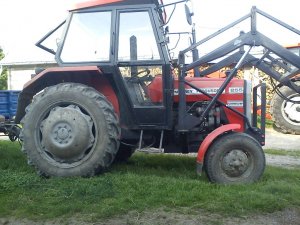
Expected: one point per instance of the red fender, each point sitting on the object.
(209, 139)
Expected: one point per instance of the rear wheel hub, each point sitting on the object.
(67, 134)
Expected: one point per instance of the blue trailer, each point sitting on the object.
(8, 108)
(8, 103)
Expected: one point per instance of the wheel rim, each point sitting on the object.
(67, 135)
(236, 163)
(291, 111)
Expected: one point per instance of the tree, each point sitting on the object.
(3, 75)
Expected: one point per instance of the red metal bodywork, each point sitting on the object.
(208, 141)
(93, 3)
(33, 81)
(93, 76)
(211, 137)
(89, 75)
(233, 95)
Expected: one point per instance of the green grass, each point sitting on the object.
(269, 123)
(283, 152)
(147, 182)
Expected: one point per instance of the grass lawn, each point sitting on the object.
(283, 152)
(269, 123)
(145, 183)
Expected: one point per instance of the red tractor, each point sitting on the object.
(116, 91)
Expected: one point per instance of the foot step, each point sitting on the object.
(150, 150)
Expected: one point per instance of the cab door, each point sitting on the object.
(142, 64)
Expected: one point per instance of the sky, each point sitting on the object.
(23, 23)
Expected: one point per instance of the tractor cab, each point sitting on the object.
(125, 40)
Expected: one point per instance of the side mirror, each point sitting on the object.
(188, 14)
(167, 40)
(174, 63)
(167, 30)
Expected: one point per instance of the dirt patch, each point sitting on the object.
(184, 217)
(285, 217)
(276, 140)
(279, 141)
(283, 161)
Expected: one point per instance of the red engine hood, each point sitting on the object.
(234, 90)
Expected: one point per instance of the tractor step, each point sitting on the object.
(150, 150)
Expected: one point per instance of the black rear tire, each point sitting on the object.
(124, 153)
(286, 115)
(70, 130)
(234, 158)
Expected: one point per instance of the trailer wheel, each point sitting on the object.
(70, 130)
(235, 158)
(124, 153)
(286, 115)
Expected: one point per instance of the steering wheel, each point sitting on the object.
(146, 77)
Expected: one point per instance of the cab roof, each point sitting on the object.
(95, 3)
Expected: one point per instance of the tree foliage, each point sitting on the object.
(3, 75)
(1, 53)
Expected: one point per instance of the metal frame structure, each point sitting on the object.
(239, 58)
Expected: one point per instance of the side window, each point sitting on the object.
(88, 38)
(137, 45)
(136, 37)
(144, 84)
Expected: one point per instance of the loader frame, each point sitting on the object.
(240, 58)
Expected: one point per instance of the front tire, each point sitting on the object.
(235, 158)
(70, 130)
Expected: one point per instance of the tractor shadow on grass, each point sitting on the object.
(162, 165)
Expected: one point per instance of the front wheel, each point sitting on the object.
(70, 130)
(235, 158)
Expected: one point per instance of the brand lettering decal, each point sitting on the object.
(195, 92)
(236, 90)
(237, 104)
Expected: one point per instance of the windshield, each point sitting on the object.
(88, 38)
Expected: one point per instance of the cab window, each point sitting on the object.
(136, 38)
(88, 38)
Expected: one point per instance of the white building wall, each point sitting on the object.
(18, 77)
